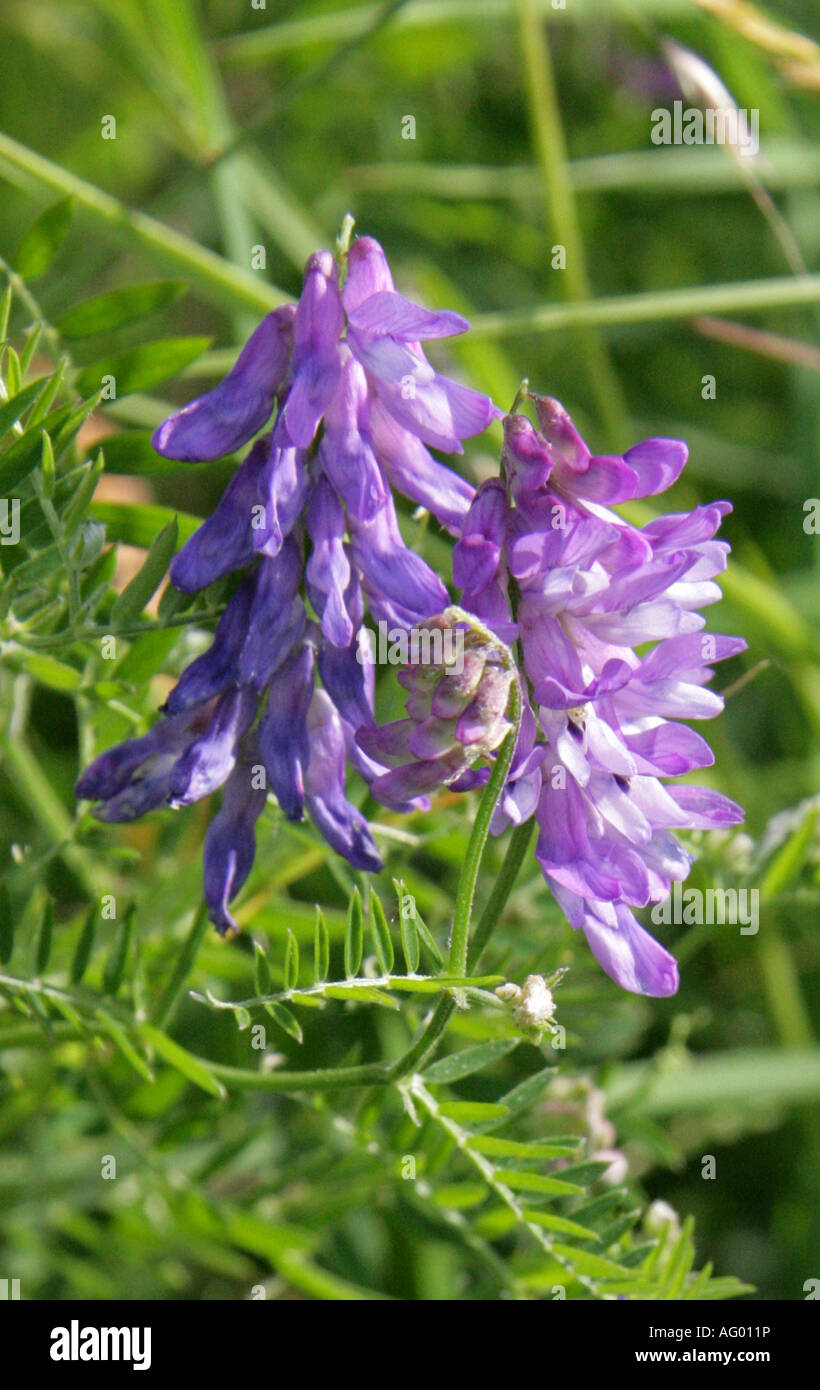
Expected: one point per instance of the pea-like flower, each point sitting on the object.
(350, 404)
(543, 560)
(456, 711)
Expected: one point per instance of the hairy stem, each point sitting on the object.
(478, 839)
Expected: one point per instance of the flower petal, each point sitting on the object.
(224, 542)
(224, 419)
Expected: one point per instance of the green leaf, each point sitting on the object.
(32, 343)
(541, 1182)
(500, 1220)
(121, 1039)
(11, 410)
(381, 934)
(143, 367)
(469, 1112)
(354, 935)
(6, 925)
(48, 670)
(25, 453)
(286, 1020)
(494, 1147)
(471, 1059)
(585, 1173)
(105, 312)
(461, 1196)
(146, 656)
(13, 372)
(48, 466)
(362, 994)
(130, 603)
(182, 1061)
(562, 1225)
(5, 311)
(75, 512)
(291, 961)
(261, 970)
(321, 948)
(52, 389)
(409, 939)
(526, 1093)
(43, 239)
(118, 954)
(787, 862)
(595, 1266)
(43, 938)
(82, 954)
(409, 910)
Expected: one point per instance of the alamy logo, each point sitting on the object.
(415, 646)
(75, 1343)
(717, 125)
(9, 520)
(688, 907)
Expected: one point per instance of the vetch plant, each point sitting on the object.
(541, 668)
(540, 559)
(397, 1069)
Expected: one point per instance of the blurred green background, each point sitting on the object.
(531, 130)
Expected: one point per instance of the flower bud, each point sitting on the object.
(458, 681)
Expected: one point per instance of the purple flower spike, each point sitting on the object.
(114, 769)
(559, 453)
(224, 419)
(135, 777)
(416, 474)
(596, 741)
(439, 411)
(310, 512)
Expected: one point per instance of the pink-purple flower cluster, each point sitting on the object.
(542, 559)
(602, 617)
(308, 515)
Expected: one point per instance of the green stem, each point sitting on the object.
(324, 1079)
(560, 206)
(517, 848)
(655, 306)
(465, 892)
(425, 1045)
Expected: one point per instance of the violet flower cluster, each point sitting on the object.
(309, 515)
(601, 616)
(543, 560)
